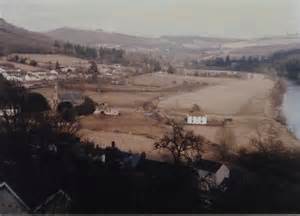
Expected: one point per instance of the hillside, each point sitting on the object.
(99, 37)
(15, 39)
(178, 45)
(111, 39)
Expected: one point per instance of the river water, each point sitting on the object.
(291, 108)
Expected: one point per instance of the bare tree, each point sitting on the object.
(93, 67)
(171, 69)
(267, 140)
(184, 146)
(226, 140)
(57, 67)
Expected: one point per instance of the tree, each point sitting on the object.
(184, 146)
(228, 60)
(35, 103)
(171, 69)
(16, 58)
(23, 60)
(292, 68)
(226, 140)
(196, 108)
(267, 140)
(56, 44)
(33, 63)
(86, 108)
(67, 111)
(219, 62)
(57, 66)
(156, 66)
(91, 53)
(93, 67)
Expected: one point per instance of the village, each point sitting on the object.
(149, 107)
(133, 110)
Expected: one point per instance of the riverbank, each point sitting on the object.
(282, 116)
(277, 97)
(291, 107)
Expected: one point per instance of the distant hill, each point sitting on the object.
(102, 38)
(173, 47)
(110, 39)
(15, 39)
(176, 45)
(189, 39)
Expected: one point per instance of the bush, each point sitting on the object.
(171, 69)
(34, 103)
(67, 111)
(33, 63)
(86, 108)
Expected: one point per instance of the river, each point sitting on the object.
(291, 108)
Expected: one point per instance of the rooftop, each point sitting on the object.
(211, 166)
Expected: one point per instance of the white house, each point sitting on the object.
(197, 120)
(106, 110)
(211, 173)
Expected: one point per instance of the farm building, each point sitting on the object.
(106, 110)
(197, 120)
(214, 173)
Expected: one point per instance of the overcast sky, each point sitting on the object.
(229, 18)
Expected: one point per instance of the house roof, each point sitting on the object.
(162, 168)
(5, 186)
(59, 195)
(32, 192)
(36, 198)
(211, 166)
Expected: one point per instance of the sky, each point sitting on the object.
(222, 18)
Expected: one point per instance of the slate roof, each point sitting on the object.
(33, 198)
(59, 197)
(4, 186)
(211, 166)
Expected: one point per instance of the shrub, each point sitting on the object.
(86, 108)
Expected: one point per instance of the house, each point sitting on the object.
(68, 69)
(211, 172)
(197, 120)
(12, 202)
(56, 203)
(106, 110)
(114, 157)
